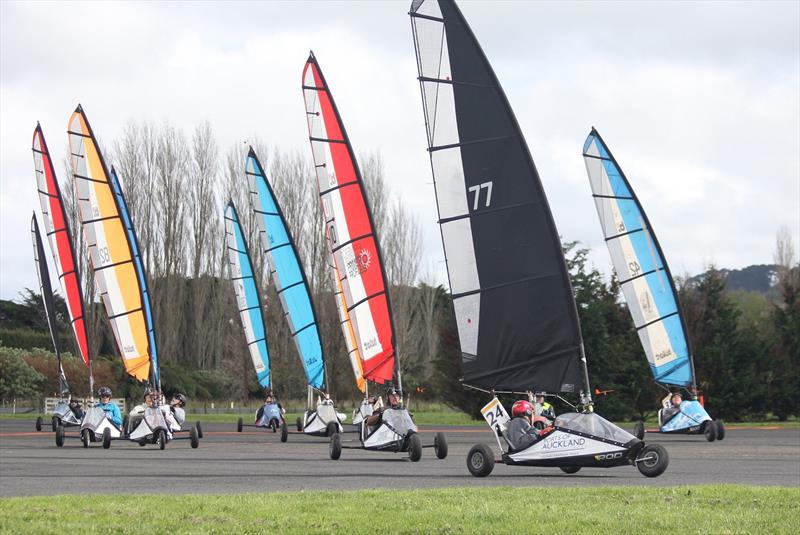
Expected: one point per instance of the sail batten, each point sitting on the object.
(361, 284)
(248, 296)
(111, 249)
(515, 312)
(639, 262)
(290, 280)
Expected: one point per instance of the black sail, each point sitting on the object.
(515, 310)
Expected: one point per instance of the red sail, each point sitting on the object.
(350, 229)
(60, 239)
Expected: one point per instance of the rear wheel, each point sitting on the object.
(638, 430)
(194, 438)
(239, 424)
(284, 432)
(720, 429)
(653, 460)
(440, 445)
(106, 438)
(300, 424)
(414, 448)
(331, 429)
(335, 448)
(480, 460)
(39, 423)
(570, 469)
(161, 439)
(86, 437)
(55, 422)
(199, 429)
(710, 431)
(60, 436)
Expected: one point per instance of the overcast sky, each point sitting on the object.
(700, 102)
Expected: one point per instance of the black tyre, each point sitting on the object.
(161, 439)
(55, 422)
(570, 469)
(335, 447)
(653, 460)
(284, 432)
(239, 424)
(39, 423)
(142, 443)
(710, 431)
(638, 430)
(194, 438)
(86, 437)
(125, 422)
(440, 445)
(331, 429)
(480, 460)
(106, 438)
(273, 424)
(414, 448)
(299, 424)
(720, 429)
(199, 429)
(60, 436)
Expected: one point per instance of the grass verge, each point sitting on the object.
(696, 509)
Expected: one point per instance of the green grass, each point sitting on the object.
(697, 509)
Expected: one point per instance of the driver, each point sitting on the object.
(393, 399)
(106, 405)
(547, 409)
(673, 408)
(75, 407)
(269, 399)
(176, 414)
(519, 433)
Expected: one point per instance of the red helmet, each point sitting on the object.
(522, 407)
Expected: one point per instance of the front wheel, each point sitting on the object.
(570, 469)
(720, 429)
(440, 445)
(199, 429)
(60, 436)
(55, 422)
(331, 429)
(273, 424)
(414, 448)
(284, 432)
(161, 439)
(335, 448)
(194, 437)
(299, 424)
(39, 423)
(480, 460)
(710, 431)
(106, 438)
(653, 460)
(638, 430)
(239, 424)
(86, 437)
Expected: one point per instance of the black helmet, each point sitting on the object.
(181, 398)
(104, 391)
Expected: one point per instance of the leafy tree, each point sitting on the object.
(17, 378)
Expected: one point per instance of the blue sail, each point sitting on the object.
(140, 274)
(643, 273)
(248, 297)
(287, 272)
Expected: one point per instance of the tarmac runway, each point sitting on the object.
(256, 461)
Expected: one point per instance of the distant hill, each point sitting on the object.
(759, 278)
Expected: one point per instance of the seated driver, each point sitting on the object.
(269, 399)
(176, 414)
(547, 409)
(75, 407)
(520, 433)
(109, 407)
(393, 399)
(673, 408)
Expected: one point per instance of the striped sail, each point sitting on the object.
(110, 250)
(347, 329)
(287, 272)
(350, 230)
(59, 237)
(140, 274)
(515, 312)
(644, 276)
(46, 291)
(248, 298)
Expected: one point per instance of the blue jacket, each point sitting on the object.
(112, 411)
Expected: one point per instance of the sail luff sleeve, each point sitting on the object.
(110, 251)
(289, 276)
(59, 238)
(641, 267)
(350, 230)
(248, 296)
(515, 311)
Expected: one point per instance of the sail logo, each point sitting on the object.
(663, 355)
(356, 264)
